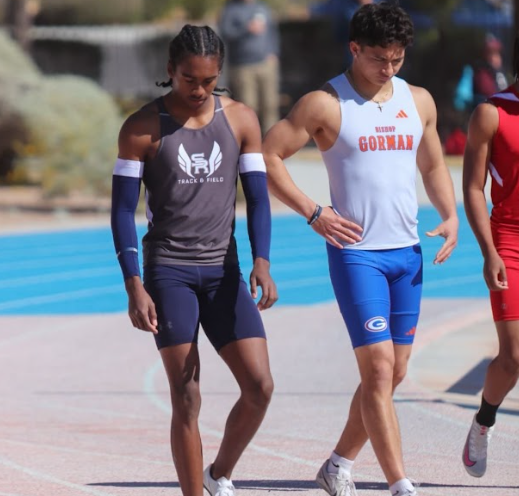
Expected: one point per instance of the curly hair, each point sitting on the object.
(381, 24)
(195, 40)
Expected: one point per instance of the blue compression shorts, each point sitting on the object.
(216, 297)
(378, 292)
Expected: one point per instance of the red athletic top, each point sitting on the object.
(504, 162)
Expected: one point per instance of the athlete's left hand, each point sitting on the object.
(448, 230)
(260, 276)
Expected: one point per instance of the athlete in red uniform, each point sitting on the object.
(493, 146)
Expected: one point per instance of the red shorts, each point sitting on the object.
(505, 304)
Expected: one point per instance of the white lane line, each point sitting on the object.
(301, 283)
(288, 251)
(456, 456)
(55, 405)
(447, 417)
(300, 267)
(113, 289)
(149, 389)
(470, 260)
(9, 494)
(86, 452)
(56, 297)
(58, 261)
(37, 250)
(472, 246)
(61, 276)
(448, 322)
(453, 281)
(24, 335)
(50, 478)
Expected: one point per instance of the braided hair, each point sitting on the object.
(195, 40)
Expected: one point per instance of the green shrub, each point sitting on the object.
(73, 127)
(60, 132)
(156, 9)
(16, 69)
(15, 66)
(13, 135)
(200, 9)
(58, 12)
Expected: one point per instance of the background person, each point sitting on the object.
(489, 75)
(252, 38)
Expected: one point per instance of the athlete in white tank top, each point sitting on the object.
(372, 166)
(373, 130)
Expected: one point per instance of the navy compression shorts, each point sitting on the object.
(216, 297)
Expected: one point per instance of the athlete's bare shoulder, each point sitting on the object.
(145, 120)
(317, 109)
(419, 91)
(421, 96)
(329, 90)
(485, 110)
(424, 105)
(139, 132)
(484, 120)
(243, 121)
(321, 101)
(237, 110)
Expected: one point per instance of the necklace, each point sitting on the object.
(378, 103)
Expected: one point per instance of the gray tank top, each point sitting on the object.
(191, 193)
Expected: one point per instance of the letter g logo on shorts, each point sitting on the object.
(376, 324)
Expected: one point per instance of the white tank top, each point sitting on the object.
(372, 166)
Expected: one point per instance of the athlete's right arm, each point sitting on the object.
(133, 147)
(482, 128)
(307, 120)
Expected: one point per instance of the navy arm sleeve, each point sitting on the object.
(259, 221)
(125, 198)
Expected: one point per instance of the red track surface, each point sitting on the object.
(84, 407)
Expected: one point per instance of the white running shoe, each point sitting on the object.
(339, 484)
(475, 449)
(407, 492)
(220, 487)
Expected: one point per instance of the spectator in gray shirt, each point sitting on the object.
(252, 39)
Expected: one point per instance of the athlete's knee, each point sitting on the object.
(509, 362)
(399, 370)
(399, 374)
(186, 400)
(259, 392)
(379, 375)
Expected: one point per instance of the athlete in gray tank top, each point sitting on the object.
(189, 148)
(191, 193)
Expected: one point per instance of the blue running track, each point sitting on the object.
(76, 272)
